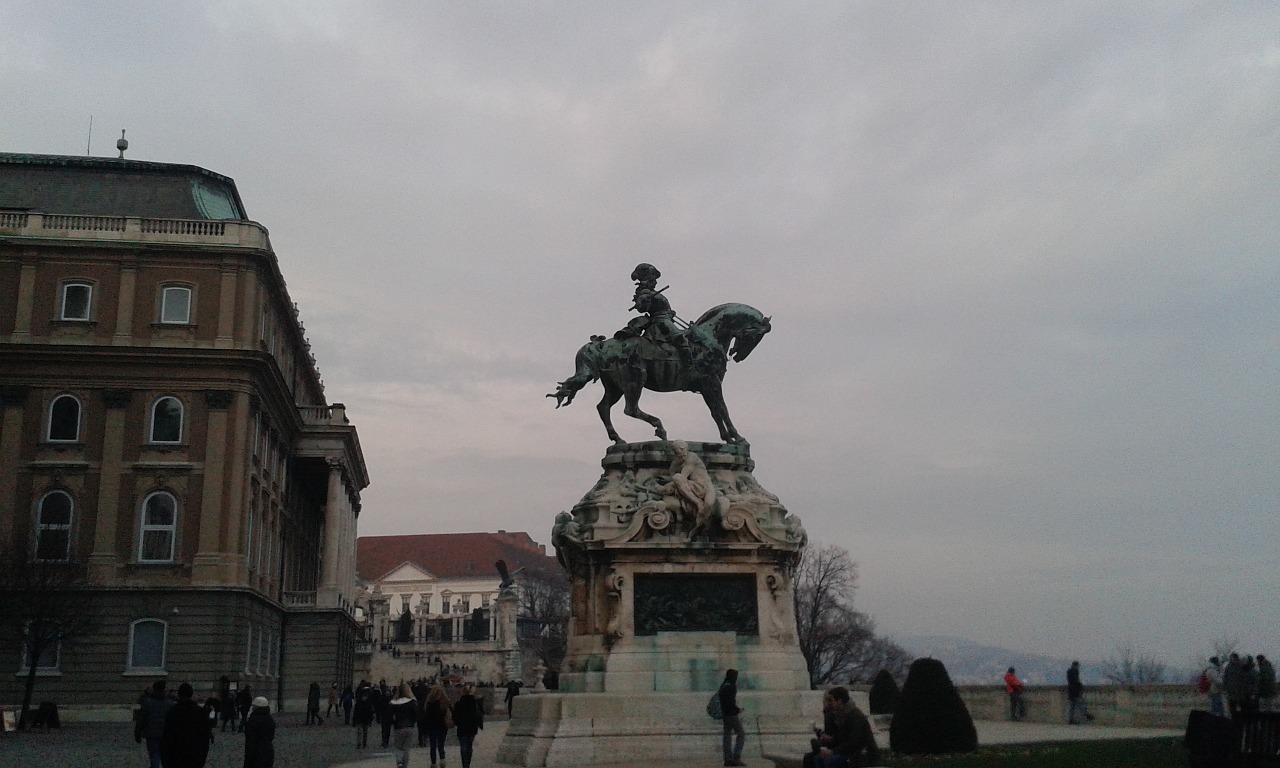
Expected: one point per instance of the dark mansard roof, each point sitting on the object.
(100, 186)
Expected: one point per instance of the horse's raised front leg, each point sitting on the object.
(612, 395)
(713, 395)
(631, 407)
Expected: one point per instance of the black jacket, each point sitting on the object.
(185, 743)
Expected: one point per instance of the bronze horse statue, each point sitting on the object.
(695, 363)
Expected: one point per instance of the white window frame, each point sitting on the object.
(248, 650)
(144, 528)
(42, 526)
(48, 419)
(168, 313)
(88, 301)
(24, 660)
(182, 419)
(130, 663)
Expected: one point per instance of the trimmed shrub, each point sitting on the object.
(931, 718)
(884, 694)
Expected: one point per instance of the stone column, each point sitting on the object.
(104, 560)
(506, 607)
(13, 399)
(226, 308)
(123, 334)
(25, 304)
(328, 589)
(204, 567)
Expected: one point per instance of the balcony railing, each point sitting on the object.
(248, 234)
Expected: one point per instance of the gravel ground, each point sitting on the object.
(111, 745)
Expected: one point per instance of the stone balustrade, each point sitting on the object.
(1147, 706)
(244, 234)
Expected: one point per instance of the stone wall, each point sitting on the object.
(1151, 706)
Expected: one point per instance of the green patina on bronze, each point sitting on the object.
(653, 351)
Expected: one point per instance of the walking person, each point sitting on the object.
(155, 707)
(347, 701)
(259, 736)
(313, 705)
(1013, 686)
(513, 690)
(402, 711)
(1075, 696)
(437, 716)
(244, 703)
(734, 735)
(185, 743)
(1266, 685)
(362, 716)
(468, 716)
(333, 701)
(381, 703)
(229, 711)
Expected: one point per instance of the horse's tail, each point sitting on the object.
(585, 374)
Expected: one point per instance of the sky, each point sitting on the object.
(1020, 259)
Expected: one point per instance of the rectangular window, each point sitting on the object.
(46, 636)
(146, 647)
(175, 305)
(76, 300)
(248, 649)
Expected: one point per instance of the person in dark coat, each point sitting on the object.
(437, 716)
(468, 717)
(313, 705)
(244, 702)
(185, 743)
(154, 709)
(734, 734)
(259, 735)
(362, 715)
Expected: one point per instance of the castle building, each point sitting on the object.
(164, 430)
(432, 599)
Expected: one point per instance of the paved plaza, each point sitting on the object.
(111, 745)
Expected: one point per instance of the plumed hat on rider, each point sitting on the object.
(645, 272)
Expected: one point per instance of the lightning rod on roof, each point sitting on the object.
(122, 144)
(89, 143)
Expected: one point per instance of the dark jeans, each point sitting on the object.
(437, 744)
(386, 730)
(362, 735)
(733, 728)
(465, 744)
(153, 752)
(1017, 707)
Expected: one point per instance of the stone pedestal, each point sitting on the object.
(681, 566)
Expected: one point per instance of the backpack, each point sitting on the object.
(1202, 685)
(713, 707)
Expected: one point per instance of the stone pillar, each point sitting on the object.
(123, 334)
(226, 308)
(506, 607)
(104, 560)
(13, 399)
(25, 304)
(334, 508)
(205, 566)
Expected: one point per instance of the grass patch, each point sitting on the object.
(1117, 753)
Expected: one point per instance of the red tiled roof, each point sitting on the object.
(451, 555)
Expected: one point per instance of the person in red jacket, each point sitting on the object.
(1013, 687)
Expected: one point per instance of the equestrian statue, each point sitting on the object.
(657, 351)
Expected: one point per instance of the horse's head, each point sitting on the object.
(747, 338)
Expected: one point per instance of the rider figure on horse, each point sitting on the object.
(658, 323)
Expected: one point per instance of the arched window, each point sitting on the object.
(77, 299)
(64, 420)
(146, 645)
(53, 527)
(166, 420)
(175, 305)
(159, 528)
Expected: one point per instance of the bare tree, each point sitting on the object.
(1128, 667)
(839, 643)
(544, 612)
(47, 606)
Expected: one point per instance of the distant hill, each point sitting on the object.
(971, 663)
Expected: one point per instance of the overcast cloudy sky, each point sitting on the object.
(1021, 260)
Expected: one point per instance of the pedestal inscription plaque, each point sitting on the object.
(696, 603)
